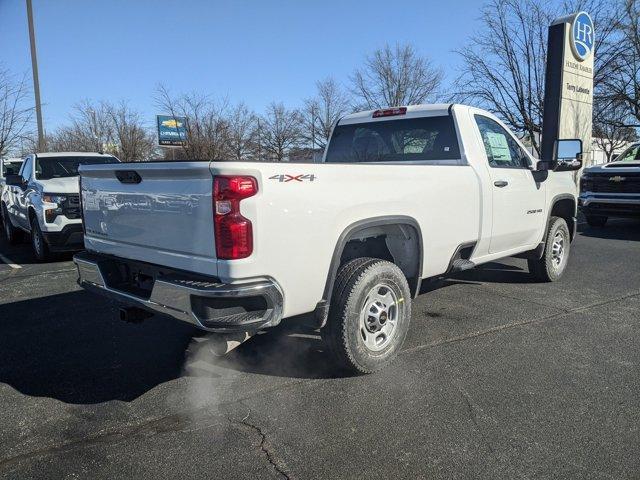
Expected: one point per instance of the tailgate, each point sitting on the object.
(159, 213)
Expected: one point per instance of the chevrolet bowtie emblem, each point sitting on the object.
(617, 178)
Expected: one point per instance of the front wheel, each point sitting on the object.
(554, 259)
(369, 315)
(40, 248)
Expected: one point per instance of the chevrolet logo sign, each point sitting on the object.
(617, 179)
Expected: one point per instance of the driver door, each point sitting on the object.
(518, 200)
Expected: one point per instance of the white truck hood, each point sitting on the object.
(60, 185)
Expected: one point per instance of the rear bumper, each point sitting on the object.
(200, 301)
(610, 205)
(69, 238)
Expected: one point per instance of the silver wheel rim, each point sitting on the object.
(558, 250)
(379, 317)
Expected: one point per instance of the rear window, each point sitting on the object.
(59, 167)
(430, 139)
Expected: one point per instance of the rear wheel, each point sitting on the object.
(13, 234)
(596, 220)
(554, 260)
(40, 247)
(369, 315)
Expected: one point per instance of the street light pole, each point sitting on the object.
(36, 81)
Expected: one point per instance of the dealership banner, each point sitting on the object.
(172, 131)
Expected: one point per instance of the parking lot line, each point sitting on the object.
(9, 262)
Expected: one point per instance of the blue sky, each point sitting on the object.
(253, 51)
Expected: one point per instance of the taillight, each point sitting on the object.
(390, 112)
(233, 232)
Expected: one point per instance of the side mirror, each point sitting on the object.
(567, 155)
(15, 180)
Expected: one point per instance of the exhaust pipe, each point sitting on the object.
(223, 343)
(134, 314)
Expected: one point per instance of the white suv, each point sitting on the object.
(43, 201)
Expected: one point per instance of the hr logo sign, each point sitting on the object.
(582, 36)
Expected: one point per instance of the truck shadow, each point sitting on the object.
(22, 253)
(71, 347)
(615, 229)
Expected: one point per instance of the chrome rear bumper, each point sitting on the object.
(203, 302)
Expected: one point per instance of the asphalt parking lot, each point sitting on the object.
(499, 378)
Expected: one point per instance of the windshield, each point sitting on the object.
(630, 155)
(408, 140)
(59, 167)
(10, 168)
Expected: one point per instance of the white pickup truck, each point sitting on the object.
(403, 194)
(42, 200)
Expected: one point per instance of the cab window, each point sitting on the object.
(503, 151)
(423, 139)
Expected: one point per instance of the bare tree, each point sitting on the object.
(623, 77)
(242, 133)
(16, 111)
(323, 111)
(61, 140)
(133, 141)
(280, 131)
(611, 131)
(91, 128)
(207, 125)
(104, 127)
(395, 76)
(504, 64)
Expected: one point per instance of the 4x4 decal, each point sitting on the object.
(293, 178)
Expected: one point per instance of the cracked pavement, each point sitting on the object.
(499, 378)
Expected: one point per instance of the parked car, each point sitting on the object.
(8, 166)
(403, 195)
(612, 189)
(42, 200)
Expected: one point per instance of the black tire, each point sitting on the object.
(38, 244)
(555, 257)
(359, 339)
(13, 234)
(596, 220)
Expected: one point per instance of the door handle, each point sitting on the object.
(501, 183)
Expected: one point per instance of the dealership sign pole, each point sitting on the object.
(568, 93)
